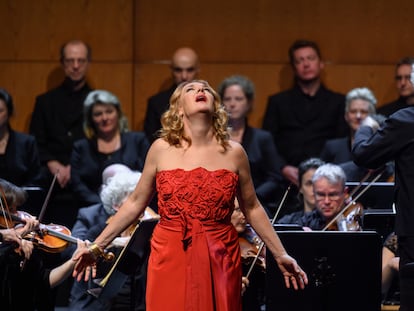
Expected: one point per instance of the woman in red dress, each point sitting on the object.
(197, 172)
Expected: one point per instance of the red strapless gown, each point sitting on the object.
(195, 255)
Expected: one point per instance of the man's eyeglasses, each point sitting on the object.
(71, 61)
(333, 196)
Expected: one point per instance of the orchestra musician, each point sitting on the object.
(306, 196)
(253, 294)
(328, 182)
(390, 268)
(90, 222)
(25, 283)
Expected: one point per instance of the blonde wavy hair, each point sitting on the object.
(172, 129)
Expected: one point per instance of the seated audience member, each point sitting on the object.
(390, 267)
(107, 142)
(359, 103)
(25, 281)
(90, 222)
(185, 66)
(19, 157)
(306, 196)
(237, 95)
(404, 87)
(253, 296)
(328, 182)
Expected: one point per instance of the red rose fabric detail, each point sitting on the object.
(199, 193)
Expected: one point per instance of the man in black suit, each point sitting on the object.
(184, 67)
(301, 119)
(404, 86)
(57, 122)
(373, 147)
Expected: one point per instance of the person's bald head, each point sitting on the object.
(184, 65)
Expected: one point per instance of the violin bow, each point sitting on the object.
(5, 209)
(272, 222)
(47, 198)
(42, 212)
(353, 200)
(364, 179)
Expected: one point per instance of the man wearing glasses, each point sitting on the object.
(184, 67)
(330, 192)
(404, 87)
(57, 121)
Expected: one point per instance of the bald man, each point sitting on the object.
(184, 67)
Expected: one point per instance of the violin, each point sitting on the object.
(50, 238)
(349, 220)
(260, 243)
(350, 217)
(249, 247)
(122, 240)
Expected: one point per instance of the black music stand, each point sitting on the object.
(132, 258)
(379, 220)
(343, 268)
(287, 227)
(379, 195)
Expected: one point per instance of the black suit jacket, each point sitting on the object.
(20, 164)
(264, 163)
(393, 141)
(156, 106)
(57, 122)
(389, 108)
(87, 163)
(337, 150)
(301, 124)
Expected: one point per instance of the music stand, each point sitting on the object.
(287, 227)
(379, 220)
(379, 195)
(133, 257)
(343, 268)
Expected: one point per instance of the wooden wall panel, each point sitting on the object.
(34, 30)
(349, 31)
(29, 57)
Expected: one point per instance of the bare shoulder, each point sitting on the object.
(236, 155)
(159, 145)
(236, 150)
(157, 148)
